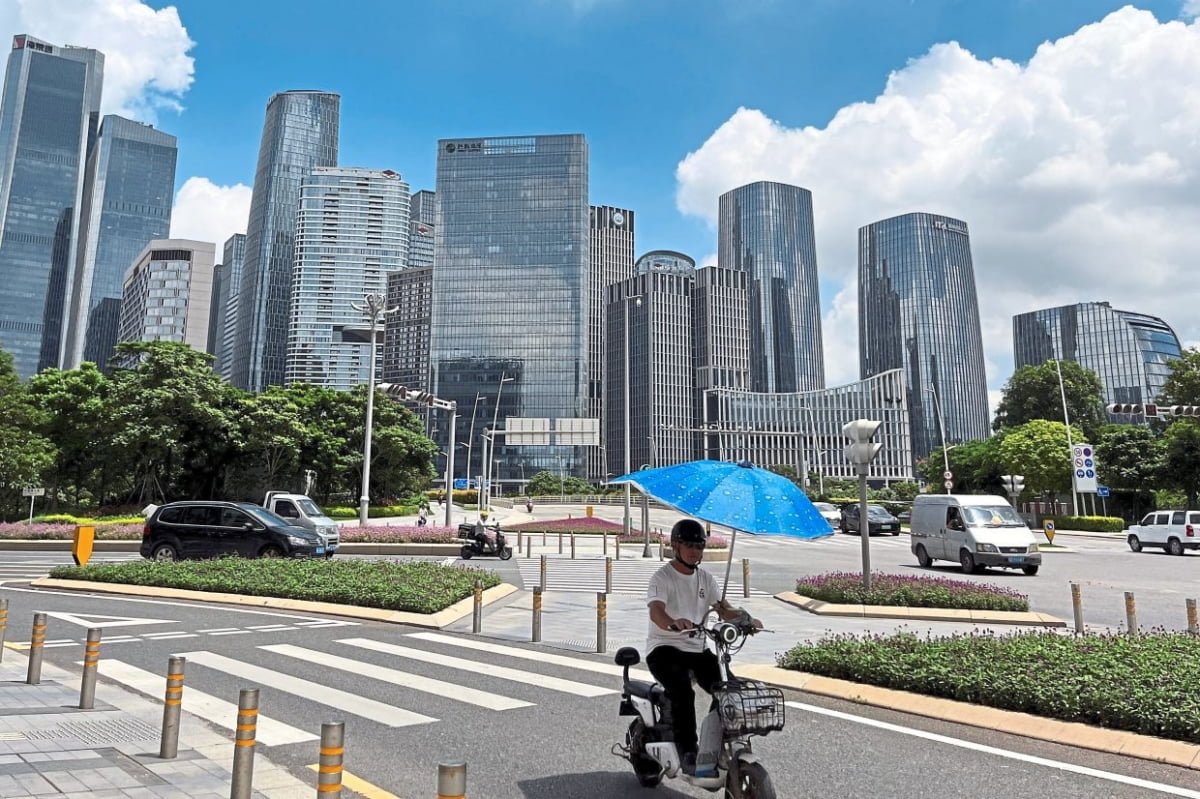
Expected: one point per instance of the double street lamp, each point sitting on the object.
(375, 306)
(490, 446)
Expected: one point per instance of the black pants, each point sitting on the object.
(675, 669)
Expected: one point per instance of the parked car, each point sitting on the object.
(1172, 530)
(878, 520)
(206, 529)
(974, 529)
(829, 512)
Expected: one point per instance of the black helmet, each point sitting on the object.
(688, 531)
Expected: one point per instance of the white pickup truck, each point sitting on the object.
(1172, 530)
(303, 512)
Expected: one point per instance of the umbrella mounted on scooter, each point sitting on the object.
(737, 495)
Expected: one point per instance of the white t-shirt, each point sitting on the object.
(686, 596)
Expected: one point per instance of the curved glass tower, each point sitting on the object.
(766, 230)
(918, 311)
(300, 134)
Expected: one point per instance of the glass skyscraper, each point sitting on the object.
(49, 115)
(129, 181)
(300, 134)
(766, 230)
(1130, 352)
(918, 311)
(233, 259)
(612, 237)
(351, 232)
(510, 291)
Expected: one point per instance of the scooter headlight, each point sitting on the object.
(727, 633)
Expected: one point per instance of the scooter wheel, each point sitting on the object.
(506, 553)
(750, 781)
(466, 552)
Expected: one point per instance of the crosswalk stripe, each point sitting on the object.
(524, 654)
(471, 696)
(500, 672)
(216, 711)
(289, 683)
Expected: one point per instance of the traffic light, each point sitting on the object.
(1014, 484)
(1185, 410)
(394, 391)
(861, 450)
(1125, 407)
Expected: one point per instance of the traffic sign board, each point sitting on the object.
(33, 492)
(949, 484)
(947, 475)
(1048, 529)
(1102, 491)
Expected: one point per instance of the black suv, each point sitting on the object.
(206, 529)
(878, 520)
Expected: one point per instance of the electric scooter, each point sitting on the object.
(475, 544)
(743, 708)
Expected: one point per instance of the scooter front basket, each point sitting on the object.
(749, 708)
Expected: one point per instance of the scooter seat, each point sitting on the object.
(646, 690)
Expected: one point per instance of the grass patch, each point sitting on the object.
(846, 588)
(1143, 684)
(414, 587)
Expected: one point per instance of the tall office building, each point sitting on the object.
(233, 259)
(766, 230)
(216, 310)
(512, 242)
(49, 115)
(1130, 352)
(720, 341)
(352, 230)
(612, 237)
(406, 334)
(299, 135)
(421, 226)
(128, 185)
(166, 292)
(918, 311)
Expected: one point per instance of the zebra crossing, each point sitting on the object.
(588, 575)
(389, 698)
(13, 571)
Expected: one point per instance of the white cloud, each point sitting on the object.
(1078, 173)
(146, 65)
(1191, 9)
(207, 212)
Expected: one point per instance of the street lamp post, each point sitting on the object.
(375, 306)
(425, 398)
(471, 437)
(645, 520)
(861, 451)
(628, 525)
(937, 406)
(1062, 392)
(491, 444)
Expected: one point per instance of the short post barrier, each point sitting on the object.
(542, 573)
(601, 621)
(572, 546)
(604, 543)
(3, 624)
(745, 578)
(537, 614)
(660, 546)
(37, 639)
(529, 547)
(1193, 624)
(520, 539)
(617, 545)
(560, 543)
(1077, 607)
(477, 610)
(543, 538)
(452, 781)
(168, 746)
(608, 575)
(329, 769)
(91, 659)
(243, 745)
(1130, 614)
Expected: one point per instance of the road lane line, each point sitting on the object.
(540, 656)
(216, 711)
(323, 694)
(992, 750)
(471, 696)
(359, 785)
(491, 670)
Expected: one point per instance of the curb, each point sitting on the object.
(1100, 739)
(820, 608)
(439, 620)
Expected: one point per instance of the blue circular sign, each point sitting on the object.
(1090, 474)
(1088, 462)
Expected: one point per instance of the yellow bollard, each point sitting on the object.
(329, 780)
(588, 510)
(1193, 623)
(81, 550)
(1130, 614)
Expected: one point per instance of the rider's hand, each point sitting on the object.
(679, 625)
(756, 624)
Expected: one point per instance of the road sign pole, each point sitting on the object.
(31, 509)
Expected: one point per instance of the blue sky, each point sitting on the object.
(1064, 160)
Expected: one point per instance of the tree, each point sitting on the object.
(271, 433)
(1129, 459)
(74, 419)
(1182, 386)
(25, 455)
(1181, 458)
(975, 465)
(1033, 393)
(1038, 450)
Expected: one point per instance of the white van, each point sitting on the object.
(975, 530)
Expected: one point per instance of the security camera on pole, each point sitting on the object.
(860, 452)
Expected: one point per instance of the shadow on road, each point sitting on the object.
(593, 785)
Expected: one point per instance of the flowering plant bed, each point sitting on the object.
(846, 588)
(590, 525)
(39, 531)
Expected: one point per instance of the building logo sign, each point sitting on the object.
(464, 147)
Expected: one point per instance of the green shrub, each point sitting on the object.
(846, 588)
(373, 511)
(1091, 524)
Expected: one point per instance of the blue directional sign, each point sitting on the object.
(460, 483)
(1102, 491)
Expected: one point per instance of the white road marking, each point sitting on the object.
(471, 696)
(289, 683)
(525, 654)
(107, 622)
(491, 670)
(216, 711)
(992, 750)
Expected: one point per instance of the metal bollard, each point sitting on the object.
(520, 539)
(542, 573)
(329, 771)
(605, 543)
(91, 659)
(572, 546)
(608, 575)
(529, 547)
(1130, 613)
(543, 538)
(477, 610)
(560, 543)
(36, 641)
(601, 621)
(243, 745)
(745, 578)
(452, 781)
(3, 624)
(1077, 607)
(660, 546)
(537, 614)
(1193, 624)
(172, 704)
(617, 544)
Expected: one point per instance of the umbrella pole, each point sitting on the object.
(728, 564)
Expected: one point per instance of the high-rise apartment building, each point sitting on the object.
(421, 226)
(166, 293)
(300, 134)
(612, 242)
(1130, 352)
(918, 311)
(233, 259)
(49, 116)
(352, 230)
(128, 185)
(512, 242)
(766, 230)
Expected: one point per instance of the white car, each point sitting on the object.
(1172, 530)
(829, 512)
